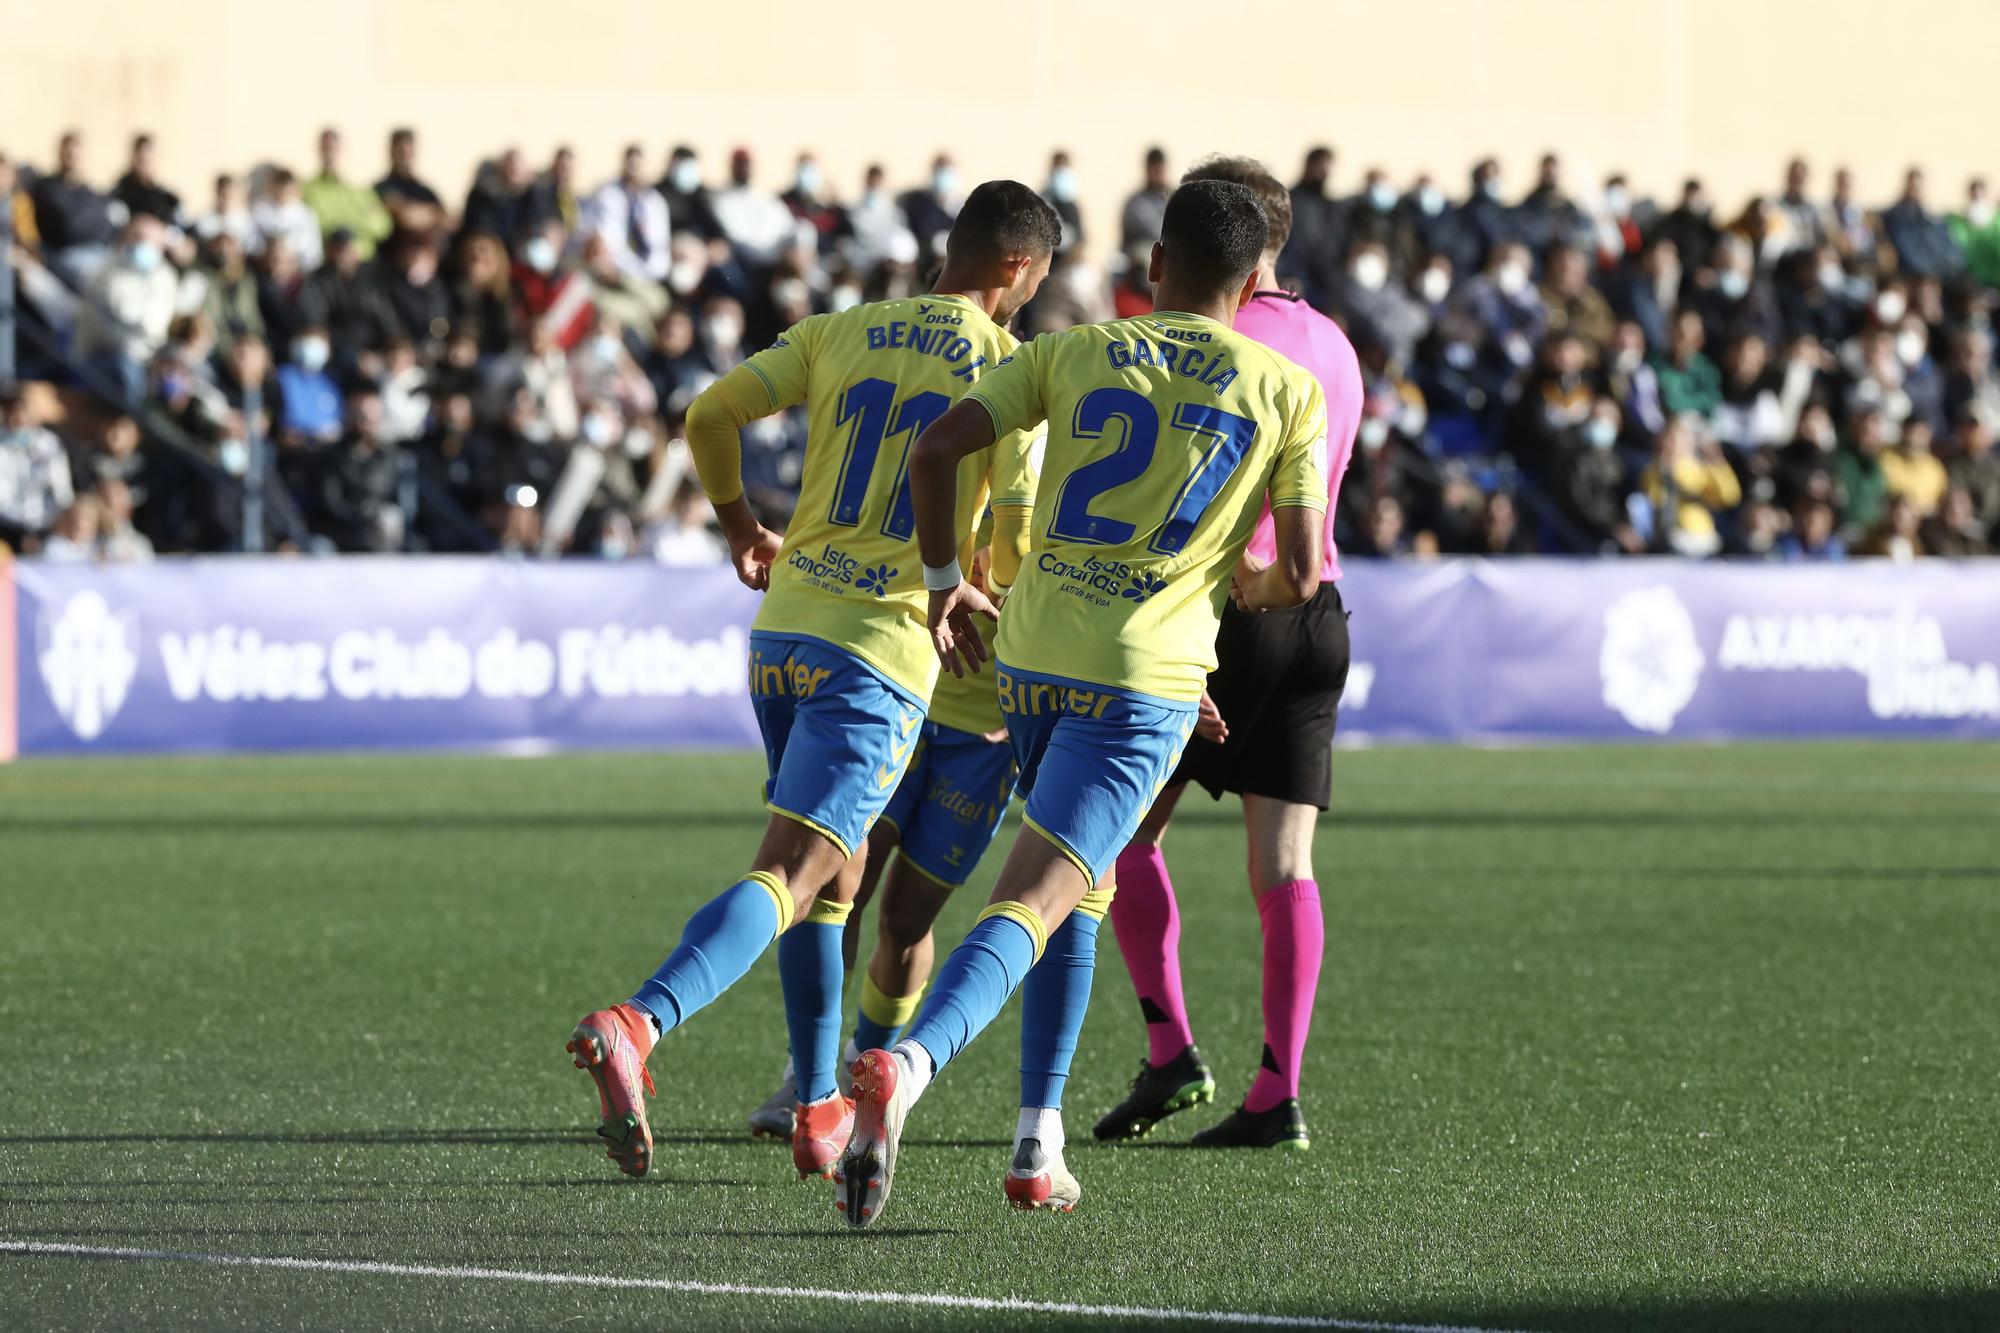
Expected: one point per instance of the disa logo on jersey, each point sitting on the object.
(87, 656)
(1651, 660)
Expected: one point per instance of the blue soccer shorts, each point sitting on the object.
(1092, 760)
(838, 734)
(949, 804)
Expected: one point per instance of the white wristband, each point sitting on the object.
(943, 578)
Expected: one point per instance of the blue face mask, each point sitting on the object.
(1062, 184)
(1600, 433)
(944, 181)
(310, 353)
(144, 256)
(809, 178)
(685, 176)
(1382, 195)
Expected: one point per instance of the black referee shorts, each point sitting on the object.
(1277, 680)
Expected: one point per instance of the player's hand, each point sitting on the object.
(982, 560)
(753, 553)
(953, 633)
(1208, 721)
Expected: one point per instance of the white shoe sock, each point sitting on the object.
(849, 1054)
(918, 1067)
(1044, 1123)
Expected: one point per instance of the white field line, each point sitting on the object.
(939, 1300)
(1968, 785)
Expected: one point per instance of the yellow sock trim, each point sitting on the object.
(826, 912)
(781, 897)
(890, 1011)
(1098, 901)
(1026, 917)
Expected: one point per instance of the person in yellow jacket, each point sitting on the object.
(1689, 483)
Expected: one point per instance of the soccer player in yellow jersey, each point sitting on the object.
(841, 662)
(1165, 435)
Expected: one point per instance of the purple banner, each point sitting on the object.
(267, 654)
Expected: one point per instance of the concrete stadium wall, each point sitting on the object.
(1728, 88)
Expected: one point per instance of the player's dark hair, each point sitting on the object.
(1214, 234)
(1001, 218)
(1275, 198)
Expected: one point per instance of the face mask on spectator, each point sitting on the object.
(1374, 433)
(684, 276)
(1490, 187)
(1616, 202)
(311, 353)
(944, 181)
(540, 254)
(613, 547)
(1911, 346)
(1382, 195)
(1062, 184)
(1600, 433)
(844, 297)
(1733, 282)
(233, 456)
(1434, 285)
(1979, 212)
(599, 429)
(1890, 305)
(1369, 271)
(685, 175)
(1512, 278)
(1431, 200)
(605, 345)
(1832, 277)
(809, 178)
(724, 331)
(144, 256)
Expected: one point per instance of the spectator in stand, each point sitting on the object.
(1922, 242)
(356, 507)
(1975, 469)
(1690, 487)
(74, 221)
(1505, 304)
(690, 212)
(1547, 217)
(757, 225)
(1899, 535)
(1955, 530)
(553, 198)
(1367, 298)
(405, 386)
(1735, 299)
(811, 202)
(1847, 226)
(635, 301)
(1689, 382)
(1813, 534)
(1488, 222)
(1439, 228)
(131, 304)
(1860, 481)
(20, 207)
(1689, 226)
(73, 538)
(503, 200)
(401, 190)
(309, 406)
(1544, 425)
(677, 365)
(1589, 484)
(341, 205)
(229, 216)
(1646, 289)
(550, 288)
(1798, 224)
(35, 483)
(540, 369)
(140, 190)
(1752, 416)
(118, 542)
(1975, 230)
(876, 221)
(281, 215)
(482, 297)
(412, 289)
(1319, 231)
(229, 289)
(344, 297)
(1061, 192)
(280, 284)
(603, 370)
(1971, 385)
(1146, 207)
(1912, 472)
(1373, 215)
(631, 219)
(929, 212)
(1499, 530)
(1615, 230)
(1573, 305)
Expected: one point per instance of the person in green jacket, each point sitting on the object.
(1976, 228)
(1857, 472)
(1689, 381)
(342, 204)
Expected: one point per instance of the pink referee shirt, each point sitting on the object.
(1286, 324)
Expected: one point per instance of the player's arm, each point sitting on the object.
(768, 382)
(1007, 399)
(1298, 514)
(1014, 474)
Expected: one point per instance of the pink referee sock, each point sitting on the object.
(1147, 921)
(1294, 941)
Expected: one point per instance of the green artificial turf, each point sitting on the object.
(1619, 1038)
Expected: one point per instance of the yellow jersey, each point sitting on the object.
(1165, 432)
(871, 377)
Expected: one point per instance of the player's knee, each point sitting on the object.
(905, 920)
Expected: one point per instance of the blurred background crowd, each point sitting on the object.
(314, 361)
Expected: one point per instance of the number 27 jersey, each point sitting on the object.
(1165, 432)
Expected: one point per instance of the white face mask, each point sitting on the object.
(809, 178)
(1062, 184)
(1832, 277)
(1382, 195)
(605, 345)
(1512, 278)
(844, 297)
(1616, 202)
(1733, 283)
(539, 254)
(684, 276)
(1979, 212)
(1911, 346)
(1490, 187)
(1600, 433)
(944, 181)
(599, 429)
(1431, 200)
(1373, 434)
(724, 331)
(685, 175)
(311, 353)
(1434, 285)
(145, 256)
(1369, 271)
(1890, 305)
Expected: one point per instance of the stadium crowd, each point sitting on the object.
(1559, 369)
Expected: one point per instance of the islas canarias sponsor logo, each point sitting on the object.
(1901, 654)
(1101, 582)
(837, 571)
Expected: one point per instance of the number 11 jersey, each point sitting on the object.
(872, 377)
(1165, 431)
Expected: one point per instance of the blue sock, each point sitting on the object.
(811, 972)
(872, 1036)
(973, 984)
(1053, 1001)
(718, 945)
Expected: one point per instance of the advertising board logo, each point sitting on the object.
(88, 655)
(1651, 660)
